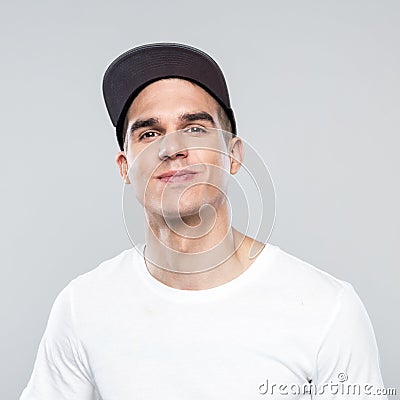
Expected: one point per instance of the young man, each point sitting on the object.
(190, 314)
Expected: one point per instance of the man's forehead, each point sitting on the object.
(171, 96)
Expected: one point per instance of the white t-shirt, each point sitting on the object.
(117, 333)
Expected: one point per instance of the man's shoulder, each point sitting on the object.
(306, 281)
(298, 267)
(108, 274)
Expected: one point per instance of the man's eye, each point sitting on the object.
(148, 135)
(196, 129)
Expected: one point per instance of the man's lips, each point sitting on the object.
(181, 175)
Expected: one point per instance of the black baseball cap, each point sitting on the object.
(135, 69)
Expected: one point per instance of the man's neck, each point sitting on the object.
(196, 263)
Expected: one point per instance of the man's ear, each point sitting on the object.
(236, 153)
(123, 166)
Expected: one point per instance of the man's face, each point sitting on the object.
(154, 151)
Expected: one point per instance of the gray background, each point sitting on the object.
(315, 86)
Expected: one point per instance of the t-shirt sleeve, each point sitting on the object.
(347, 362)
(61, 370)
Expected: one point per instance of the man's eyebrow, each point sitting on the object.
(197, 116)
(143, 123)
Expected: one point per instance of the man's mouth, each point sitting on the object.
(177, 176)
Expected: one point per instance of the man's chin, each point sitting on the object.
(172, 214)
(181, 214)
(187, 209)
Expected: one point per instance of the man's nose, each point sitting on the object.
(172, 145)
